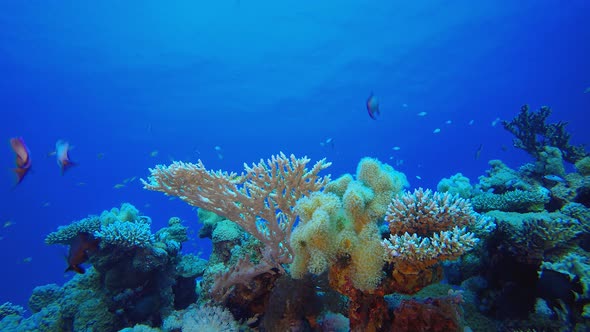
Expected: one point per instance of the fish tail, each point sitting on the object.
(66, 164)
(20, 174)
(75, 268)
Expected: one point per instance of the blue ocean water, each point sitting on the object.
(137, 83)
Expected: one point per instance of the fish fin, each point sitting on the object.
(65, 165)
(20, 174)
(371, 115)
(75, 268)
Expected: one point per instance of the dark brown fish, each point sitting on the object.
(81, 246)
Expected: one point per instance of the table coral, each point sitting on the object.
(427, 228)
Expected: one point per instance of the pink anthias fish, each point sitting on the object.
(62, 153)
(373, 106)
(23, 158)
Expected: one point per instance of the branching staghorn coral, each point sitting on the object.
(427, 228)
(260, 200)
(532, 134)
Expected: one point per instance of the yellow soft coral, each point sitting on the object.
(339, 226)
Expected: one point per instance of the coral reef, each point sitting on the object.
(361, 254)
(136, 277)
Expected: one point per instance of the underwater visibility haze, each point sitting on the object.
(240, 165)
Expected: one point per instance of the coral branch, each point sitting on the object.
(532, 134)
(260, 200)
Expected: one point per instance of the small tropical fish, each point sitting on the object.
(553, 177)
(495, 122)
(27, 259)
(132, 178)
(448, 122)
(80, 247)
(422, 114)
(418, 177)
(373, 106)
(478, 152)
(8, 223)
(154, 153)
(99, 155)
(62, 153)
(396, 148)
(328, 142)
(436, 131)
(23, 158)
(118, 186)
(219, 152)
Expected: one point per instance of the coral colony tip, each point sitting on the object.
(23, 158)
